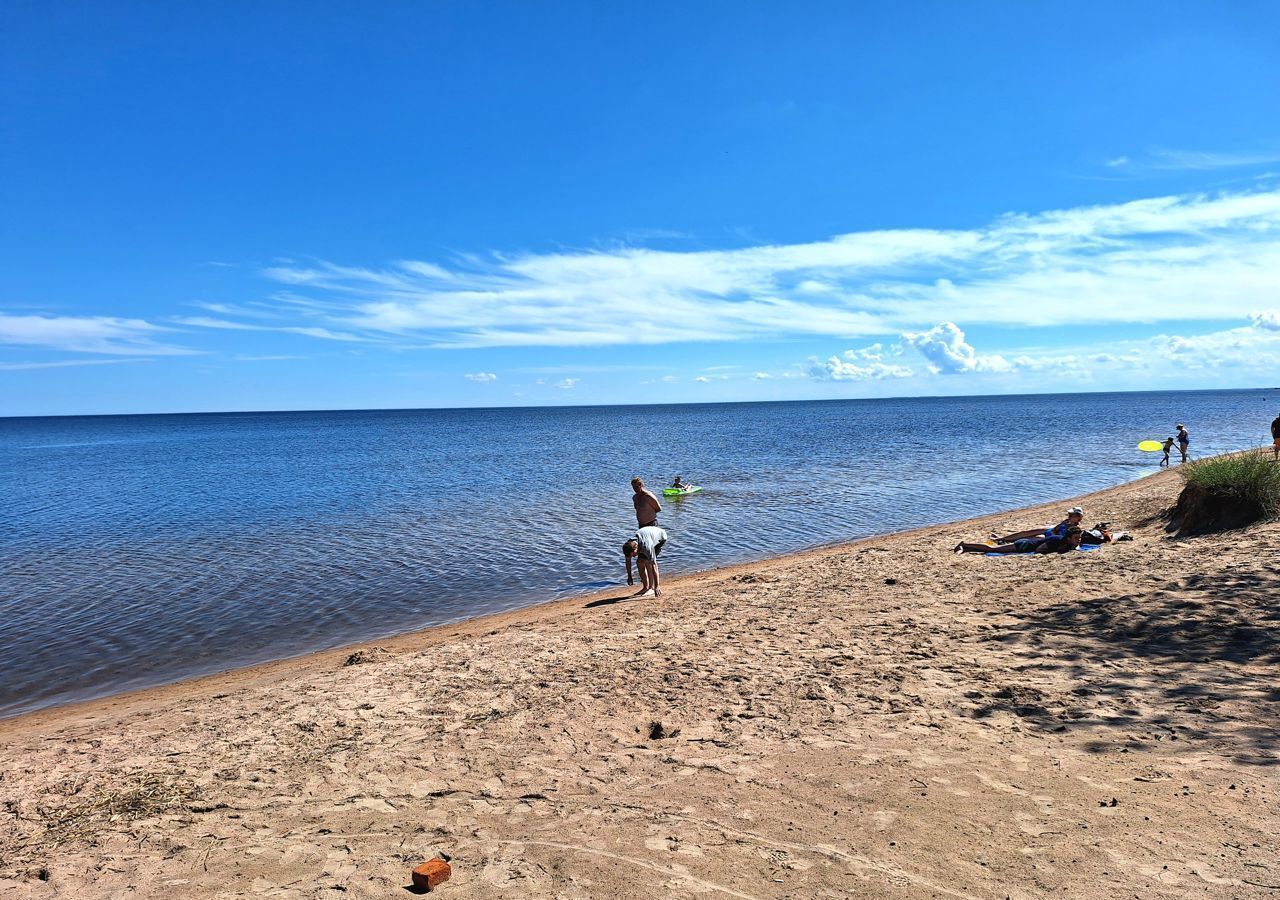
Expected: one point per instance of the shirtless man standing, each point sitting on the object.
(646, 504)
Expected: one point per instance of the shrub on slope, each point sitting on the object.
(1227, 492)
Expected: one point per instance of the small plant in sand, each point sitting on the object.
(1228, 492)
(73, 813)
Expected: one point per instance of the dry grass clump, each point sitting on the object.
(1228, 492)
(73, 813)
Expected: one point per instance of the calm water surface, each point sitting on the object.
(136, 550)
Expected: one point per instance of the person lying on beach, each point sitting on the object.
(1075, 515)
(645, 547)
(1068, 541)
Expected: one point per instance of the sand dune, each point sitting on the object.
(883, 719)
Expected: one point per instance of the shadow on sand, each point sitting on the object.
(1192, 660)
(609, 601)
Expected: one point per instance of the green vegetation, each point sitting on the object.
(1249, 481)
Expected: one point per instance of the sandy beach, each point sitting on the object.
(883, 719)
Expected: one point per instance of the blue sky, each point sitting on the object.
(305, 206)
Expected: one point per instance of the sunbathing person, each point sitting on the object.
(1057, 544)
(1075, 516)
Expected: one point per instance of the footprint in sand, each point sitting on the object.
(673, 844)
(884, 818)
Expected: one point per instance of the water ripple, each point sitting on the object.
(140, 549)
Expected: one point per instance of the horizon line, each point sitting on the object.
(240, 412)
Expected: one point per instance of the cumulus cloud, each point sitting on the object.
(567, 384)
(945, 348)
(481, 376)
(1268, 320)
(849, 368)
(946, 352)
(87, 334)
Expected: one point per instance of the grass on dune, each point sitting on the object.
(1251, 481)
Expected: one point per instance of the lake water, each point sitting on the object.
(137, 550)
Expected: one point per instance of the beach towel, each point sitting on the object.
(1082, 548)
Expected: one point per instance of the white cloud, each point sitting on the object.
(481, 376)
(1175, 258)
(232, 325)
(63, 363)
(851, 367)
(670, 379)
(567, 384)
(761, 376)
(947, 351)
(1267, 319)
(1161, 161)
(87, 334)
(1179, 160)
(702, 379)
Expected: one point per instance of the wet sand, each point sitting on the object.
(883, 719)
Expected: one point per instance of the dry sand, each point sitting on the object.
(882, 719)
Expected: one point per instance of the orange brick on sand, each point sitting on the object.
(431, 874)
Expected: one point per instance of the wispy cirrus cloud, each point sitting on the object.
(64, 363)
(1164, 161)
(108, 335)
(481, 377)
(1177, 258)
(1197, 160)
(306, 330)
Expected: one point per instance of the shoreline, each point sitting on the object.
(472, 625)
(881, 718)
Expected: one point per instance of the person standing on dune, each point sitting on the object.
(646, 504)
